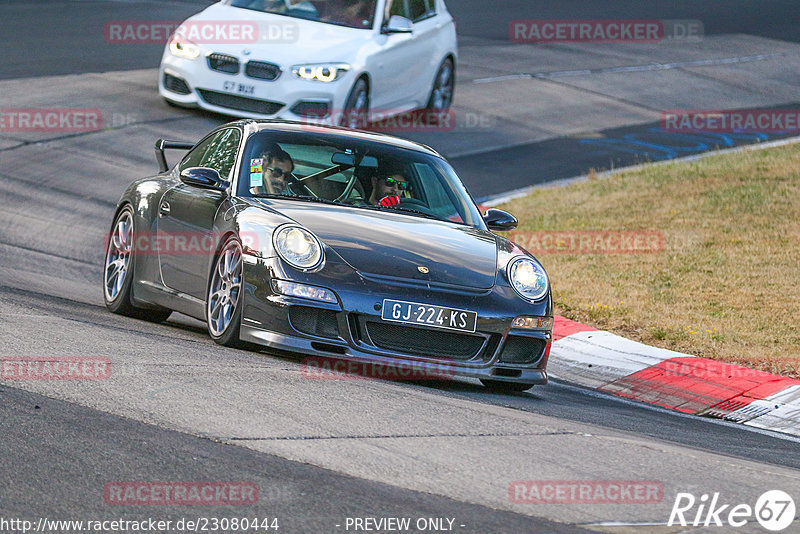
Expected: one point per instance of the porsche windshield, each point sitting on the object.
(350, 13)
(336, 169)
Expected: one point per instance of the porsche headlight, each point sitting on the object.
(184, 48)
(321, 73)
(298, 247)
(528, 278)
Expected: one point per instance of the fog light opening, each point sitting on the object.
(533, 323)
(293, 289)
(311, 109)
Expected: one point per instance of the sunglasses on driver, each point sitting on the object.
(276, 172)
(399, 183)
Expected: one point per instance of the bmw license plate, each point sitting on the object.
(241, 88)
(399, 311)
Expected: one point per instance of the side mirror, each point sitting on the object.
(499, 220)
(398, 24)
(205, 178)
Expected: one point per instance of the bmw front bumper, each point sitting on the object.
(192, 83)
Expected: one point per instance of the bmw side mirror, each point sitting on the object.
(205, 178)
(499, 220)
(398, 24)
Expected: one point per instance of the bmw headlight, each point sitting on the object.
(528, 278)
(184, 48)
(321, 73)
(298, 247)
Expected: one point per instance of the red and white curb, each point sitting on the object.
(604, 361)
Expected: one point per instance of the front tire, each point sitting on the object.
(224, 297)
(500, 386)
(356, 108)
(444, 86)
(118, 272)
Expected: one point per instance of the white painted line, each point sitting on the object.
(502, 198)
(631, 68)
(504, 78)
(624, 524)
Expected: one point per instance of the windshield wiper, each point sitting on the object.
(404, 209)
(306, 198)
(396, 209)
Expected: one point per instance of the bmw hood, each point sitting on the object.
(277, 38)
(401, 246)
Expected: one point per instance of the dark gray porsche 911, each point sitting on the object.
(331, 242)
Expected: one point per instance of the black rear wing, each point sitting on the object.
(163, 144)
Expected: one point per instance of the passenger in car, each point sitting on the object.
(387, 188)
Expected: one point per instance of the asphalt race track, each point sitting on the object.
(180, 408)
(65, 30)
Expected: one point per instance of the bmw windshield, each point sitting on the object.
(361, 174)
(350, 13)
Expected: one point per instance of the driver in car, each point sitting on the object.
(278, 166)
(387, 188)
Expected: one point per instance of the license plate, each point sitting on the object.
(241, 88)
(399, 311)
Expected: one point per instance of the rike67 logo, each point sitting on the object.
(774, 510)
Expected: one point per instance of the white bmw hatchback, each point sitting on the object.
(333, 61)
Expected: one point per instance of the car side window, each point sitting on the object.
(193, 158)
(433, 192)
(419, 10)
(395, 7)
(431, 7)
(217, 152)
(221, 155)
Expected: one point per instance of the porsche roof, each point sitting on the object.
(294, 127)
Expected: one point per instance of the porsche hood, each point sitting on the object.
(401, 246)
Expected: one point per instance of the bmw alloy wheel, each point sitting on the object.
(356, 111)
(443, 88)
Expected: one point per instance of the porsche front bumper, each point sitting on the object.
(352, 329)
